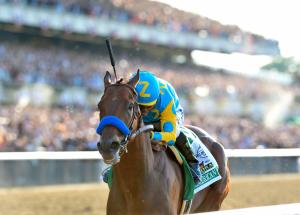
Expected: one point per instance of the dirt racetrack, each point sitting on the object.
(91, 199)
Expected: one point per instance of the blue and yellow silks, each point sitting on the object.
(164, 109)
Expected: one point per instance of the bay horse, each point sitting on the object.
(146, 181)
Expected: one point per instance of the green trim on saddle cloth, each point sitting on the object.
(189, 184)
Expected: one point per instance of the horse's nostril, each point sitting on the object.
(115, 145)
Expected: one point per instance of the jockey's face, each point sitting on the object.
(145, 109)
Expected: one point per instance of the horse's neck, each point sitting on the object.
(138, 163)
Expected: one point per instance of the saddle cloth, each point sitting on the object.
(208, 165)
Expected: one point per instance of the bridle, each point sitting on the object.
(125, 129)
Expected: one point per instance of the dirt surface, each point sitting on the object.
(91, 199)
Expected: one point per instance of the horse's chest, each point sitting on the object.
(152, 200)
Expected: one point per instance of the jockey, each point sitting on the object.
(159, 103)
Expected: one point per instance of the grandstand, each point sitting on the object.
(53, 58)
(139, 21)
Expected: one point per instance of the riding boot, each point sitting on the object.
(184, 147)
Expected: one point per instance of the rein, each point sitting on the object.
(126, 130)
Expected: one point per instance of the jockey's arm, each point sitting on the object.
(168, 125)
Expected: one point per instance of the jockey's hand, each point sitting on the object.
(156, 125)
(159, 145)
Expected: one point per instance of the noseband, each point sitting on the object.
(126, 130)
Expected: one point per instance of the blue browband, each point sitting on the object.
(114, 121)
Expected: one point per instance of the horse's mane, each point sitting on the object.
(121, 82)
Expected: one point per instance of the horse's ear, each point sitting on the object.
(107, 79)
(133, 82)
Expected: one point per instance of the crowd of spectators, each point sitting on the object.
(242, 133)
(29, 128)
(55, 129)
(149, 13)
(47, 129)
(26, 64)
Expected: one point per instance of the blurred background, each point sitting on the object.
(235, 66)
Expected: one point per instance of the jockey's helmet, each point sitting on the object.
(147, 89)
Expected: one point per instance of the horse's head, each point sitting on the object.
(119, 116)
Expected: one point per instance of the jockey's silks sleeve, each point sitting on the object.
(164, 111)
(168, 125)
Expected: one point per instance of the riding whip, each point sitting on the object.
(111, 56)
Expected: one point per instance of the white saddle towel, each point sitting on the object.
(208, 165)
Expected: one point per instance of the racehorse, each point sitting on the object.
(146, 181)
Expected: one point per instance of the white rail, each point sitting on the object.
(94, 155)
(80, 155)
(286, 209)
(290, 152)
